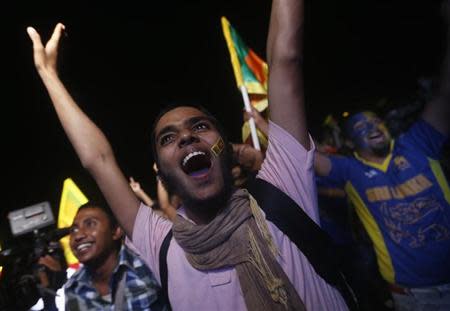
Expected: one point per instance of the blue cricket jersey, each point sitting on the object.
(404, 204)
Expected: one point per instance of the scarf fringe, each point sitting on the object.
(262, 226)
(273, 284)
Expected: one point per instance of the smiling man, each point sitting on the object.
(107, 265)
(369, 134)
(402, 197)
(224, 254)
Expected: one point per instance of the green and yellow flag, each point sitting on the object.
(249, 70)
(71, 199)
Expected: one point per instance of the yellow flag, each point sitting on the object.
(71, 199)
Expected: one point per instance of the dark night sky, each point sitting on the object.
(122, 62)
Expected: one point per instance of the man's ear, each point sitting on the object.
(118, 233)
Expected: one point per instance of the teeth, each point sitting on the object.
(83, 246)
(192, 154)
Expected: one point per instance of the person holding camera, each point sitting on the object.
(51, 272)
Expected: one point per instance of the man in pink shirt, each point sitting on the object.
(224, 254)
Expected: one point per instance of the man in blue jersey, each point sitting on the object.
(402, 197)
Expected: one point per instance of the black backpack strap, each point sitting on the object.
(164, 297)
(312, 240)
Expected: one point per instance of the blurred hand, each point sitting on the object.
(167, 204)
(140, 193)
(50, 262)
(260, 122)
(248, 160)
(247, 157)
(239, 176)
(135, 186)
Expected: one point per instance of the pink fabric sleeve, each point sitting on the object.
(149, 231)
(289, 167)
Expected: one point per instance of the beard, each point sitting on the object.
(209, 205)
(382, 150)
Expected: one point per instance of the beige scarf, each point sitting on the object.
(239, 237)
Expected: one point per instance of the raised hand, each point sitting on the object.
(45, 58)
(140, 193)
(260, 122)
(135, 186)
(90, 144)
(52, 263)
(248, 157)
(168, 204)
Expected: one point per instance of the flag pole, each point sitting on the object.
(251, 121)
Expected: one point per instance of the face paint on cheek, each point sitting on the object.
(218, 147)
(360, 127)
(362, 132)
(384, 130)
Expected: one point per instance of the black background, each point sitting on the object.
(122, 61)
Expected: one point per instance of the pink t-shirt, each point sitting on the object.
(289, 167)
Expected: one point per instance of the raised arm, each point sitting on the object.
(322, 164)
(90, 143)
(141, 194)
(437, 111)
(284, 54)
(168, 204)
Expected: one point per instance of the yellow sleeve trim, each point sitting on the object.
(442, 181)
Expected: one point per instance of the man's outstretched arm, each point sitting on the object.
(322, 164)
(284, 54)
(437, 111)
(90, 143)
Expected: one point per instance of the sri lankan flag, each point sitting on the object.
(249, 70)
(71, 199)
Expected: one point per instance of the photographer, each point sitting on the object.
(52, 274)
(34, 268)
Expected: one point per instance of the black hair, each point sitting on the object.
(91, 204)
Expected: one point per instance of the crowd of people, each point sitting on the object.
(359, 220)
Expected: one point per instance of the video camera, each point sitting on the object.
(20, 286)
